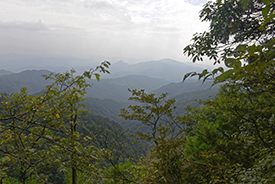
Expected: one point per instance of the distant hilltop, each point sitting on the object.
(168, 69)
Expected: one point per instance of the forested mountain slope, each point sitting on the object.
(174, 89)
(31, 79)
(193, 98)
(108, 96)
(166, 69)
(111, 135)
(117, 89)
(106, 108)
(111, 108)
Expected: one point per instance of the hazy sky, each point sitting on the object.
(131, 30)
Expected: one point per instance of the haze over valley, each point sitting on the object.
(107, 96)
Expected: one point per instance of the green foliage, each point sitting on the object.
(228, 140)
(129, 173)
(165, 161)
(110, 135)
(168, 161)
(14, 181)
(154, 112)
(232, 137)
(241, 32)
(38, 133)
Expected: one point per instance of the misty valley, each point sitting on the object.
(65, 127)
(104, 100)
(65, 119)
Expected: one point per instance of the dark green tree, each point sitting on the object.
(230, 139)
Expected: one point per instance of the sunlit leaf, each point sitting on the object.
(57, 115)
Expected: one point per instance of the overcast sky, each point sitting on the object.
(131, 30)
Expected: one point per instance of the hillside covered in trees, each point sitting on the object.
(51, 137)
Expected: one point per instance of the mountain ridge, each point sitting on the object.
(31, 79)
(167, 69)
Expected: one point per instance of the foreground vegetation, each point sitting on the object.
(230, 139)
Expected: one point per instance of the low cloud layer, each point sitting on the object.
(22, 26)
(123, 29)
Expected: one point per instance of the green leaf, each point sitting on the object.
(204, 72)
(97, 76)
(266, 10)
(244, 4)
(53, 92)
(241, 48)
(224, 76)
(86, 74)
(251, 50)
(215, 71)
(261, 28)
(206, 77)
(267, 2)
(258, 48)
(187, 75)
(232, 63)
(106, 65)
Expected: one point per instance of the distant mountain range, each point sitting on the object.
(111, 108)
(5, 72)
(110, 94)
(117, 88)
(175, 89)
(114, 88)
(31, 79)
(166, 69)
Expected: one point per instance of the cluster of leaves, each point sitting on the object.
(128, 172)
(241, 33)
(38, 133)
(155, 112)
(14, 181)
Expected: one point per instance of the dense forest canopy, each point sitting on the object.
(230, 138)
